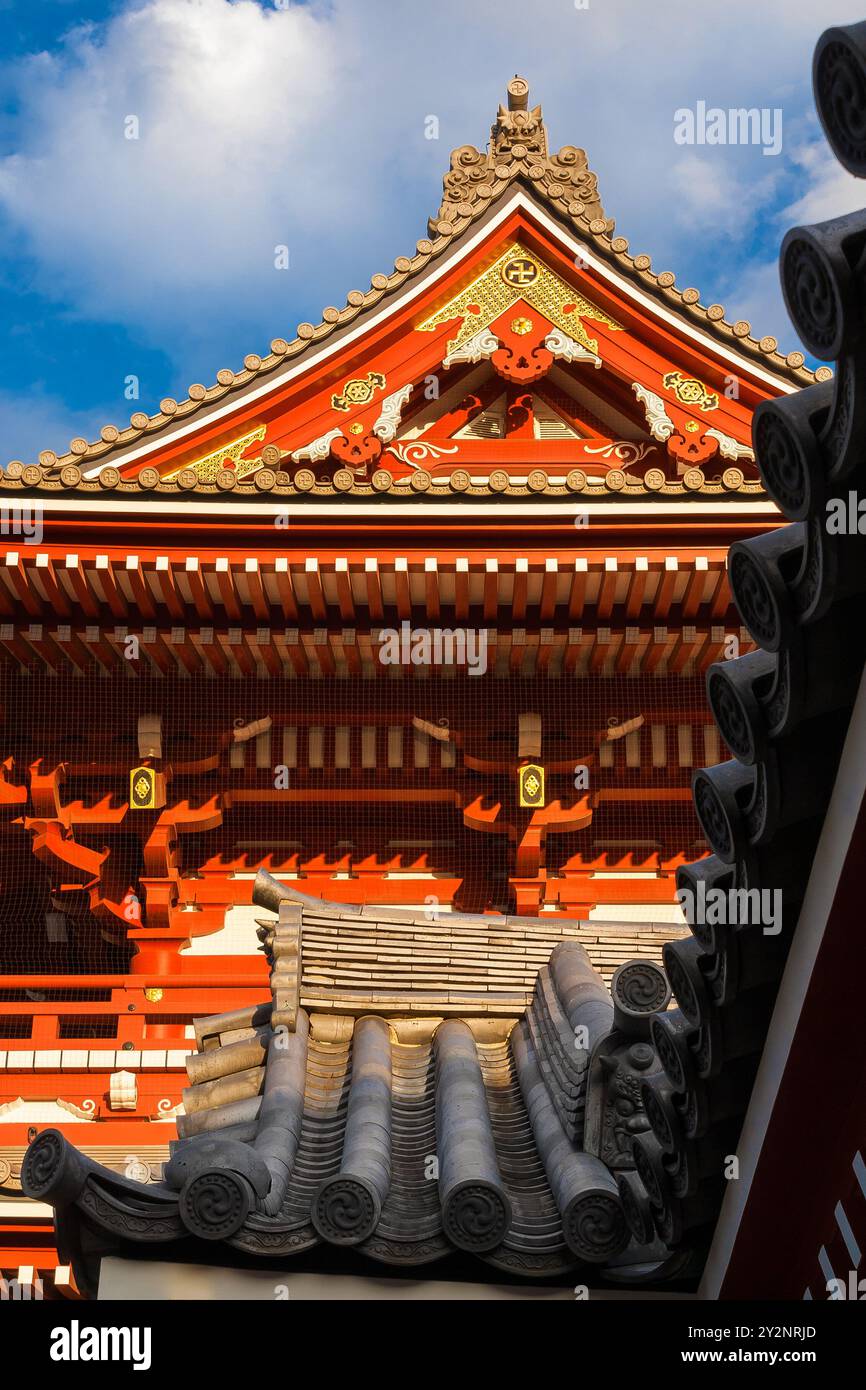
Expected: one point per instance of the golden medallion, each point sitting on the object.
(520, 271)
(531, 785)
(690, 391)
(358, 391)
(146, 789)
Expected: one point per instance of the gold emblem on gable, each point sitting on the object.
(531, 785)
(690, 391)
(516, 276)
(520, 271)
(359, 391)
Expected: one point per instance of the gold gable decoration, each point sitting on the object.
(207, 468)
(516, 275)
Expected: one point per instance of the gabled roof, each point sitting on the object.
(560, 184)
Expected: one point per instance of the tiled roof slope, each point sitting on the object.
(477, 180)
(406, 1138)
(398, 961)
(782, 710)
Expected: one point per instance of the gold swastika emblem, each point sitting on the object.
(520, 271)
(517, 275)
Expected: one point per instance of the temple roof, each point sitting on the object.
(288, 1140)
(517, 157)
(406, 1138)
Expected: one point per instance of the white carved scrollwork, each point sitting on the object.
(568, 350)
(318, 450)
(623, 450)
(730, 448)
(660, 423)
(392, 409)
(475, 349)
(414, 452)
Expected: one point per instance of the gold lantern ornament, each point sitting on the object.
(531, 785)
(146, 789)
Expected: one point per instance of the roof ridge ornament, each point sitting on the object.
(518, 148)
(516, 124)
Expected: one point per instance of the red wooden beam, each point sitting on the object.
(374, 588)
(315, 591)
(697, 581)
(655, 650)
(324, 655)
(577, 597)
(721, 601)
(518, 602)
(401, 588)
(200, 596)
(15, 577)
(431, 587)
(56, 596)
(255, 588)
(286, 590)
(168, 589)
(110, 587)
(229, 597)
(637, 587)
(547, 605)
(154, 647)
(211, 652)
(491, 589)
(607, 589)
(140, 588)
(665, 592)
(345, 598)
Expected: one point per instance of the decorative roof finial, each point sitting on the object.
(518, 93)
(518, 151)
(517, 125)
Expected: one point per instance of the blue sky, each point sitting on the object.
(266, 122)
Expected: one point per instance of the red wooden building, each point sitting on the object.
(415, 607)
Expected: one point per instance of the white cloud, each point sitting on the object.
(226, 98)
(713, 196)
(261, 126)
(830, 192)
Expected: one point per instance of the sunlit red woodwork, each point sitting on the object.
(522, 432)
